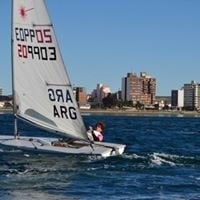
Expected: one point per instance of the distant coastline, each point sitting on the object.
(131, 112)
(139, 112)
(6, 110)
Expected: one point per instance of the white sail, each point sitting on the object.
(41, 86)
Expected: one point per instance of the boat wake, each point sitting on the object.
(161, 158)
(156, 159)
(11, 150)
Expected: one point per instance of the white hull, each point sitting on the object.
(52, 145)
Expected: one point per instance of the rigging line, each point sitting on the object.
(31, 140)
(91, 145)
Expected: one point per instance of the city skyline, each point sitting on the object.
(108, 86)
(102, 41)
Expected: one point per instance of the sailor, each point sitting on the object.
(97, 133)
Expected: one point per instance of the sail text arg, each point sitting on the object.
(59, 96)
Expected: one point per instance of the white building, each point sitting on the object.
(180, 98)
(100, 92)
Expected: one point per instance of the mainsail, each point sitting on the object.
(41, 87)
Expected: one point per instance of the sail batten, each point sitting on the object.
(43, 25)
(58, 84)
(42, 89)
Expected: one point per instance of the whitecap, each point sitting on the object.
(160, 158)
(132, 156)
(26, 155)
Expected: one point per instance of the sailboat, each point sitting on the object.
(42, 92)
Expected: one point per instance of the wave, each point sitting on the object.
(10, 150)
(16, 162)
(16, 194)
(162, 159)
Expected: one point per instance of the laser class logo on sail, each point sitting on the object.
(34, 43)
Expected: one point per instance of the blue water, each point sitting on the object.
(161, 161)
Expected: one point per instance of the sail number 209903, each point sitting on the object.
(35, 44)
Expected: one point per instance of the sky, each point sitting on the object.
(102, 40)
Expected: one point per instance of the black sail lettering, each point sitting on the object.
(68, 96)
(72, 113)
(43, 51)
(51, 95)
(30, 51)
(37, 52)
(52, 52)
(60, 97)
(32, 35)
(55, 112)
(26, 34)
(63, 111)
(17, 33)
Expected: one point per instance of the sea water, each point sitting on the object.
(161, 161)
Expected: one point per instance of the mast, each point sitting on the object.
(12, 67)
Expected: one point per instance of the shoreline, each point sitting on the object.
(139, 112)
(126, 112)
(6, 110)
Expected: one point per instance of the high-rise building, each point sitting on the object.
(177, 99)
(192, 96)
(139, 89)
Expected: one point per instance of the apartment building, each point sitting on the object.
(192, 96)
(139, 89)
